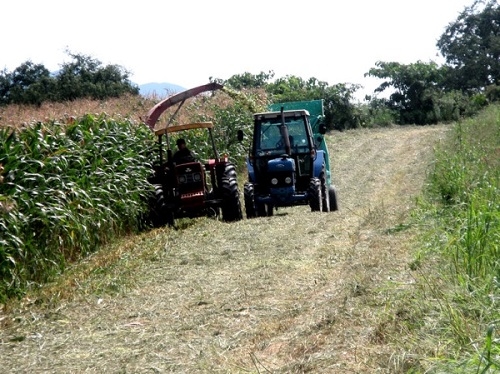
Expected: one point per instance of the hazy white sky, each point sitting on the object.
(185, 42)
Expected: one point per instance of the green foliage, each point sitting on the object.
(467, 180)
(471, 46)
(84, 77)
(65, 190)
(248, 80)
(228, 119)
(376, 113)
(421, 96)
(413, 84)
(492, 93)
(28, 84)
(465, 192)
(425, 93)
(340, 113)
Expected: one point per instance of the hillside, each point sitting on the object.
(297, 292)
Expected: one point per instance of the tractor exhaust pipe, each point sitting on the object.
(284, 133)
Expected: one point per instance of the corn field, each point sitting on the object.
(65, 189)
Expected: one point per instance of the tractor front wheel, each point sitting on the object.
(231, 206)
(315, 198)
(249, 197)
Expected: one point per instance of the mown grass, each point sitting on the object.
(297, 292)
(460, 261)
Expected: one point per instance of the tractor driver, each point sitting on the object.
(183, 154)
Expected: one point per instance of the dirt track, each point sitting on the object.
(297, 292)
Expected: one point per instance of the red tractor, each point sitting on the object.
(192, 188)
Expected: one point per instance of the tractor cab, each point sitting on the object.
(282, 147)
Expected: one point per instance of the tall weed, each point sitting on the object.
(465, 191)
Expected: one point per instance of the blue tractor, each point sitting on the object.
(288, 163)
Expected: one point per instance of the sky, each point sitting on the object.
(185, 42)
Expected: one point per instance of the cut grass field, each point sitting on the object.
(297, 292)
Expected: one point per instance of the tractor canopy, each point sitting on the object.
(187, 126)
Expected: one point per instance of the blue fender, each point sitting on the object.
(318, 163)
(251, 172)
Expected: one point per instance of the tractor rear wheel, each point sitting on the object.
(315, 198)
(230, 170)
(157, 207)
(249, 197)
(231, 206)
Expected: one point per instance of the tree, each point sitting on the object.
(415, 87)
(85, 77)
(421, 93)
(29, 83)
(5, 85)
(471, 46)
(248, 80)
(339, 112)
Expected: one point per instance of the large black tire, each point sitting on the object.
(158, 215)
(231, 205)
(324, 190)
(230, 171)
(315, 198)
(249, 197)
(334, 204)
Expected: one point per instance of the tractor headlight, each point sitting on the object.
(274, 181)
(288, 180)
(197, 177)
(182, 179)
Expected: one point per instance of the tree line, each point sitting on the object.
(82, 77)
(421, 92)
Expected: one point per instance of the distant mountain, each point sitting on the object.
(159, 89)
